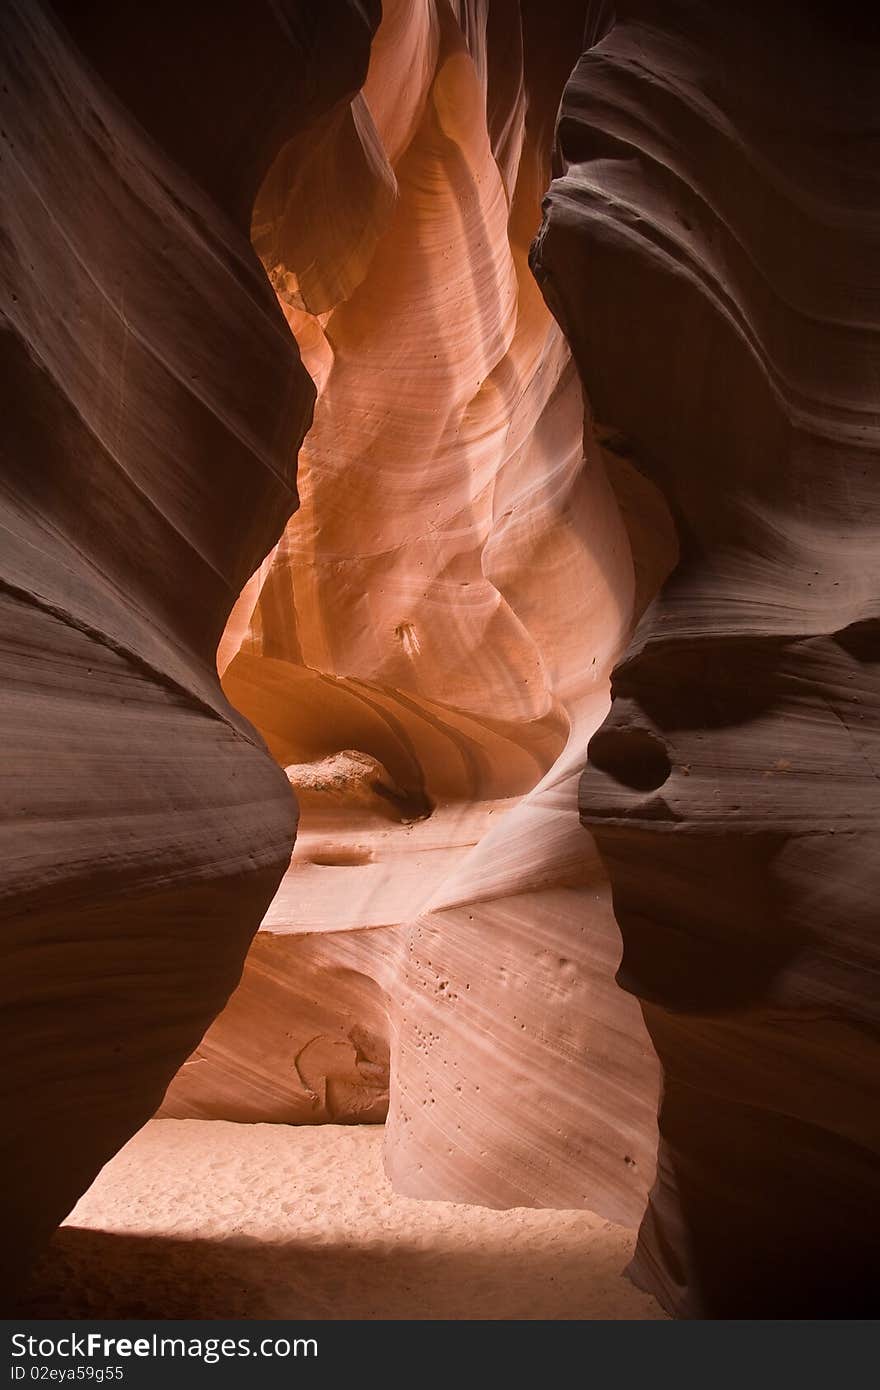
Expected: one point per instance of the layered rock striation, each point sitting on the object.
(646, 479)
(710, 248)
(153, 402)
(428, 649)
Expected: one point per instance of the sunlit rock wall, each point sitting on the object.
(428, 649)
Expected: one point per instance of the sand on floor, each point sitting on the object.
(207, 1219)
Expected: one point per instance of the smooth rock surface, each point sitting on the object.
(711, 249)
(153, 403)
(427, 649)
(447, 603)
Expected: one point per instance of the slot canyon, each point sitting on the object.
(441, 658)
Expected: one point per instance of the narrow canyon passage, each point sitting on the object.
(427, 651)
(439, 658)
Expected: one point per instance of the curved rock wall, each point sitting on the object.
(153, 401)
(426, 647)
(710, 250)
(428, 652)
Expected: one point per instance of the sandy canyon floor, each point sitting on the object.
(210, 1220)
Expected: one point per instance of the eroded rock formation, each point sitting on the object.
(447, 605)
(426, 647)
(711, 250)
(153, 401)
